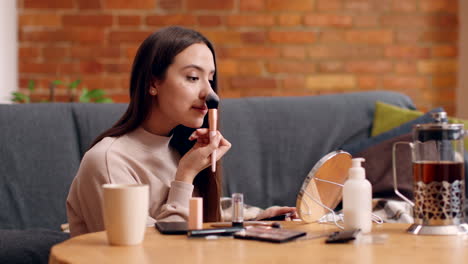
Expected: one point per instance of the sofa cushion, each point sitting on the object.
(407, 127)
(389, 116)
(39, 156)
(28, 246)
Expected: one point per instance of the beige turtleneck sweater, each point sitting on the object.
(136, 157)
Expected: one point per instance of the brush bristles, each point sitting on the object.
(212, 101)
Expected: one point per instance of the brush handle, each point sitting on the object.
(213, 155)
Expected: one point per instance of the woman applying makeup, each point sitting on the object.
(162, 139)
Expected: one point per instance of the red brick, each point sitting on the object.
(449, 81)
(400, 82)
(330, 67)
(406, 68)
(91, 67)
(366, 20)
(128, 36)
(292, 37)
(404, 21)
(443, 21)
(51, 52)
(252, 5)
(223, 37)
(253, 83)
(80, 52)
(87, 20)
(227, 67)
(404, 6)
(210, 4)
(108, 83)
(88, 35)
(419, 21)
(290, 5)
(296, 82)
(250, 67)
(253, 37)
(407, 51)
(168, 20)
(328, 20)
(209, 21)
(40, 19)
(450, 6)
(369, 36)
(369, 66)
(250, 20)
(126, 4)
(291, 67)
(331, 36)
(329, 5)
(368, 82)
(131, 51)
(170, 4)
(341, 52)
(68, 68)
(331, 82)
(28, 53)
(129, 20)
(125, 68)
(294, 52)
(437, 66)
(408, 36)
(444, 51)
(358, 5)
(122, 97)
(49, 4)
(289, 20)
(89, 4)
(442, 36)
(33, 67)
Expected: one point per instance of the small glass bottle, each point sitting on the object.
(237, 209)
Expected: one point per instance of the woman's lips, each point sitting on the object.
(202, 110)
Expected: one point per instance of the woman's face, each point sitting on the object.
(181, 95)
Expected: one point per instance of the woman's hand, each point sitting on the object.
(277, 210)
(198, 157)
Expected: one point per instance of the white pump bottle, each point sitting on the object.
(357, 199)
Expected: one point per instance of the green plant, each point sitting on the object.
(85, 95)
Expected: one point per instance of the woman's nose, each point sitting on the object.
(206, 89)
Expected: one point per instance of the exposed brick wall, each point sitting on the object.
(265, 47)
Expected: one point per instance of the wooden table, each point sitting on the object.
(399, 248)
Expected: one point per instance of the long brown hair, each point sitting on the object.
(152, 60)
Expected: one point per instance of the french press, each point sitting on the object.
(438, 178)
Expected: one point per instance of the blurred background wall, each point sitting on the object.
(264, 47)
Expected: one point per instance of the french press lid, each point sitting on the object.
(440, 129)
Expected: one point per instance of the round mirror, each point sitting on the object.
(323, 185)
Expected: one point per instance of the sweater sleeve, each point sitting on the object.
(84, 202)
(85, 197)
(176, 207)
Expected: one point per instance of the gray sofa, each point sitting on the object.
(276, 141)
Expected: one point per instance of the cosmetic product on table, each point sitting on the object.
(237, 209)
(195, 213)
(357, 199)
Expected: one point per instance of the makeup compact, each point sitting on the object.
(321, 190)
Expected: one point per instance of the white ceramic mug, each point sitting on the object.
(125, 211)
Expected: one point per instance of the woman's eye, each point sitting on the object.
(192, 78)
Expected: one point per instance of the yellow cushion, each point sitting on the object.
(387, 117)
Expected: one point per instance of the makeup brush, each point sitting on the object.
(212, 101)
